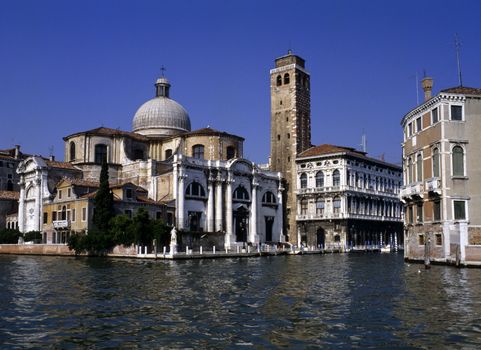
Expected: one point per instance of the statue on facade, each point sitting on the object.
(173, 241)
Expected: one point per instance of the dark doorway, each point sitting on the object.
(194, 220)
(269, 223)
(321, 236)
(241, 217)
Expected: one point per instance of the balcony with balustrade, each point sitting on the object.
(61, 224)
(433, 185)
(412, 191)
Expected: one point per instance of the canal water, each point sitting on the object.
(331, 301)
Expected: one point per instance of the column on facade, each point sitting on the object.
(253, 236)
(218, 203)
(279, 213)
(38, 204)
(229, 236)
(21, 207)
(210, 205)
(181, 198)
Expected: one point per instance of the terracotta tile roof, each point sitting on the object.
(464, 90)
(10, 195)
(210, 132)
(328, 149)
(82, 182)
(148, 200)
(60, 165)
(102, 131)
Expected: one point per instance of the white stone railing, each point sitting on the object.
(61, 223)
(433, 185)
(412, 190)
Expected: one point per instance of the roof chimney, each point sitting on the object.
(427, 83)
(17, 151)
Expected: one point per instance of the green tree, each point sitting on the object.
(104, 202)
(121, 228)
(142, 228)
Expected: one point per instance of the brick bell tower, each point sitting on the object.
(290, 128)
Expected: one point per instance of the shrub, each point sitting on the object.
(34, 236)
(9, 236)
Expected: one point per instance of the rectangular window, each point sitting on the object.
(128, 193)
(410, 129)
(456, 112)
(419, 213)
(421, 239)
(437, 210)
(434, 116)
(73, 215)
(45, 218)
(410, 214)
(419, 125)
(158, 215)
(59, 194)
(459, 210)
(170, 218)
(69, 193)
(439, 239)
(84, 214)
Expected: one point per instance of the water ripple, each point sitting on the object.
(331, 301)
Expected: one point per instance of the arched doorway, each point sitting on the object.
(321, 237)
(241, 217)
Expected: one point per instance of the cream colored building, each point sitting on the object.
(442, 176)
(163, 156)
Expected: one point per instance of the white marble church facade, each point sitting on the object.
(234, 197)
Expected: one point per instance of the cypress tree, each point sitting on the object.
(104, 201)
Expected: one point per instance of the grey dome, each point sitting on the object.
(161, 116)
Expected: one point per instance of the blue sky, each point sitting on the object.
(68, 66)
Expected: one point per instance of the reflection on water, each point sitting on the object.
(330, 301)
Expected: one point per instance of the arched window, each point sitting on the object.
(30, 192)
(279, 80)
(411, 167)
(9, 185)
(336, 178)
(241, 193)
(73, 156)
(168, 153)
(303, 180)
(230, 152)
(198, 151)
(458, 161)
(195, 189)
(436, 162)
(100, 153)
(319, 179)
(268, 198)
(286, 78)
(419, 167)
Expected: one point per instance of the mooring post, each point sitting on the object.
(213, 249)
(164, 250)
(200, 250)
